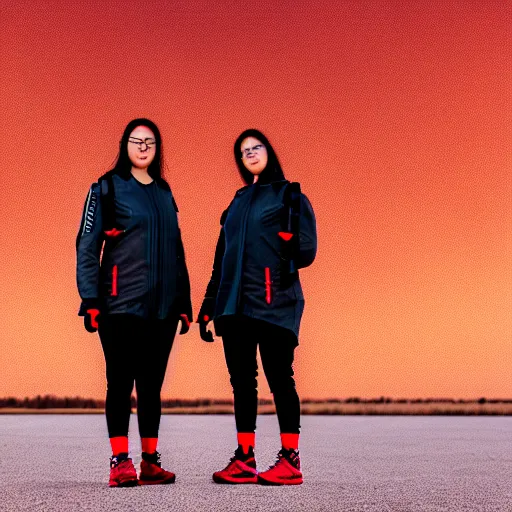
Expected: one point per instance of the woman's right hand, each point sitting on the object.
(89, 309)
(91, 318)
(206, 334)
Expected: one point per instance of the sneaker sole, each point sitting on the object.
(126, 483)
(220, 480)
(158, 482)
(295, 481)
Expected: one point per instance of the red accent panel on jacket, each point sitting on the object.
(268, 282)
(113, 232)
(93, 314)
(114, 281)
(285, 236)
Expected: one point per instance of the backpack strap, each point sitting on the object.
(290, 224)
(108, 207)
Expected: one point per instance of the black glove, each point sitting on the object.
(91, 313)
(91, 320)
(185, 323)
(185, 314)
(206, 335)
(205, 315)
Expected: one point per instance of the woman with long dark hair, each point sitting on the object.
(134, 285)
(255, 299)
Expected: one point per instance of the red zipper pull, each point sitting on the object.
(268, 283)
(114, 281)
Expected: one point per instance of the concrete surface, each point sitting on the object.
(350, 463)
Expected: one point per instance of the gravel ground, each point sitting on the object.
(350, 463)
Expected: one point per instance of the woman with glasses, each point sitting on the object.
(134, 285)
(255, 299)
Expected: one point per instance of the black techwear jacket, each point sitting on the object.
(141, 269)
(252, 250)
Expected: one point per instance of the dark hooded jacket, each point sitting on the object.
(247, 273)
(138, 265)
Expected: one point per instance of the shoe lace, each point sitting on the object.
(115, 460)
(238, 455)
(155, 459)
(232, 459)
(284, 454)
(280, 456)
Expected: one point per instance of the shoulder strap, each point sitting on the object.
(291, 201)
(108, 206)
(290, 224)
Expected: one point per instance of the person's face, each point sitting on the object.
(254, 155)
(141, 147)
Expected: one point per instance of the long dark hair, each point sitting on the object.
(272, 171)
(123, 164)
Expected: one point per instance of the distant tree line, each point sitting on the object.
(388, 400)
(53, 402)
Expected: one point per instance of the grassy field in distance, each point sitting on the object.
(355, 406)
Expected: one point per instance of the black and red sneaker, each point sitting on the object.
(285, 471)
(122, 471)
(240, 470)
(151, 472)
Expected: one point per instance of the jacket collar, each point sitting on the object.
(276, 185)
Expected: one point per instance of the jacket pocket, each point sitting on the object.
(114, 281)
(268, 286)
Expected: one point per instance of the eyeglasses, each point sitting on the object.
(150, 143)
(257, 149)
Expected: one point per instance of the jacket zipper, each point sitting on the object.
(268, 283)
(114, 281)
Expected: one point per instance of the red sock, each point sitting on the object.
(290, 441)
(149, 444)
(119, 445)
(245, 440)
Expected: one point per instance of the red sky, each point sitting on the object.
(394, 116)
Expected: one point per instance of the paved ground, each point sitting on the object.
(350, 463)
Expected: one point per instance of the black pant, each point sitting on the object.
(241, 336)
(136, 350)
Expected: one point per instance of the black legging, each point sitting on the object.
(241, 336)
(136, 350)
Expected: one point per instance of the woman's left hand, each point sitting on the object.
(185, 323)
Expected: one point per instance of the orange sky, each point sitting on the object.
(394, 116)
